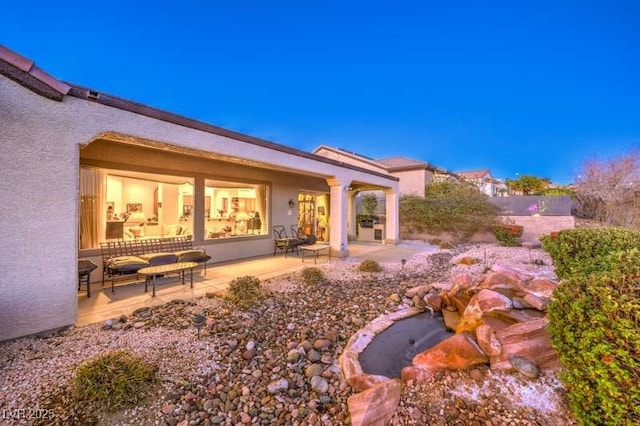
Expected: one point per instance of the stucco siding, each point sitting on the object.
(38, 159)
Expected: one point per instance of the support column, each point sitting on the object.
(351, 214)
(393, 216)
(338, 235)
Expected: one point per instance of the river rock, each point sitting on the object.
(524, 367)
(278, 386)
(319, 384)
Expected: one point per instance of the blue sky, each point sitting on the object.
(516, 87)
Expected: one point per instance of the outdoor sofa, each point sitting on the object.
(122, 258)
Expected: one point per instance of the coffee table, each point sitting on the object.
(151, 272)
(315, 248)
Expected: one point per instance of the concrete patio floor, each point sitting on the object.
(130, 296)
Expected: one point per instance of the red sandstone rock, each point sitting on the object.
(512, 274)
(488, 341)
(375, 406)
(420, 290)
(461, 283)
(451, 319)
(362, 382)
(434, 301)
(471, 318)
(490, 300)
(460, 301)
(350, 365)
(529, 340)
(467, 260)
(457, 352)
(542, 287)
(416, 375)
(537, 302)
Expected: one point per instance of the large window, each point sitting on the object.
(234, 209)
(118, 204)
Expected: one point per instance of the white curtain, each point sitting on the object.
(92, 207)
(261, 208)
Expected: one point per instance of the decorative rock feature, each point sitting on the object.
(375, 406)
(498, 318)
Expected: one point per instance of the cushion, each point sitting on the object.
(155, 259)
(126, 264)
(193, 255)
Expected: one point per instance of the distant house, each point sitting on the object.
(485, 182)
(414, 175)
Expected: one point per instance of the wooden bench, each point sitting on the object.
(126, 257)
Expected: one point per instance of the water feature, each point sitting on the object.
(393, 349)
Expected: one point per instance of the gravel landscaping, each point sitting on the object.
(276, 363)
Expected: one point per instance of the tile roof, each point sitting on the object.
(474, 174)
(25, 72)
(395, 162)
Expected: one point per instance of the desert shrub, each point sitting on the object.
(369, 265)
(457, 208)
(587, 250)
(313, 276)
(593, 321)
(245, 291)
(508, 235)
(114, 380)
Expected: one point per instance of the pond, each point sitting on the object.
(394, 348)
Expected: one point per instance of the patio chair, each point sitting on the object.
(283, 241)
(305, 239)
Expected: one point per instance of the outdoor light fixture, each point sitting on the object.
(291, 203)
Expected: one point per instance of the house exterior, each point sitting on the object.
(413, 175)
(80, 167)
(485, 182)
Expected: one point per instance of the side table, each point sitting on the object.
(85, 268)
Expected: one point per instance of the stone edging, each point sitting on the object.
(375, 391)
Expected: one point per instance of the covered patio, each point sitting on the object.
(128, 297)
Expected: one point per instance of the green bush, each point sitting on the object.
(594, 321)
(114, 380)
(508, 235)
(245, 291)
(586, 250)
(313, 276)
(456, 208)
(369, 265)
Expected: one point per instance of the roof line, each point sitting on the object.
(180, 120)
(24, 71)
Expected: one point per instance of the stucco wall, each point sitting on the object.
(39, 158)
(38, 189)
(536, 226)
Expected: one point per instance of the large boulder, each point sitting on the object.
(375, 406)
(529, 340)
(488, 341)
(457, 352)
